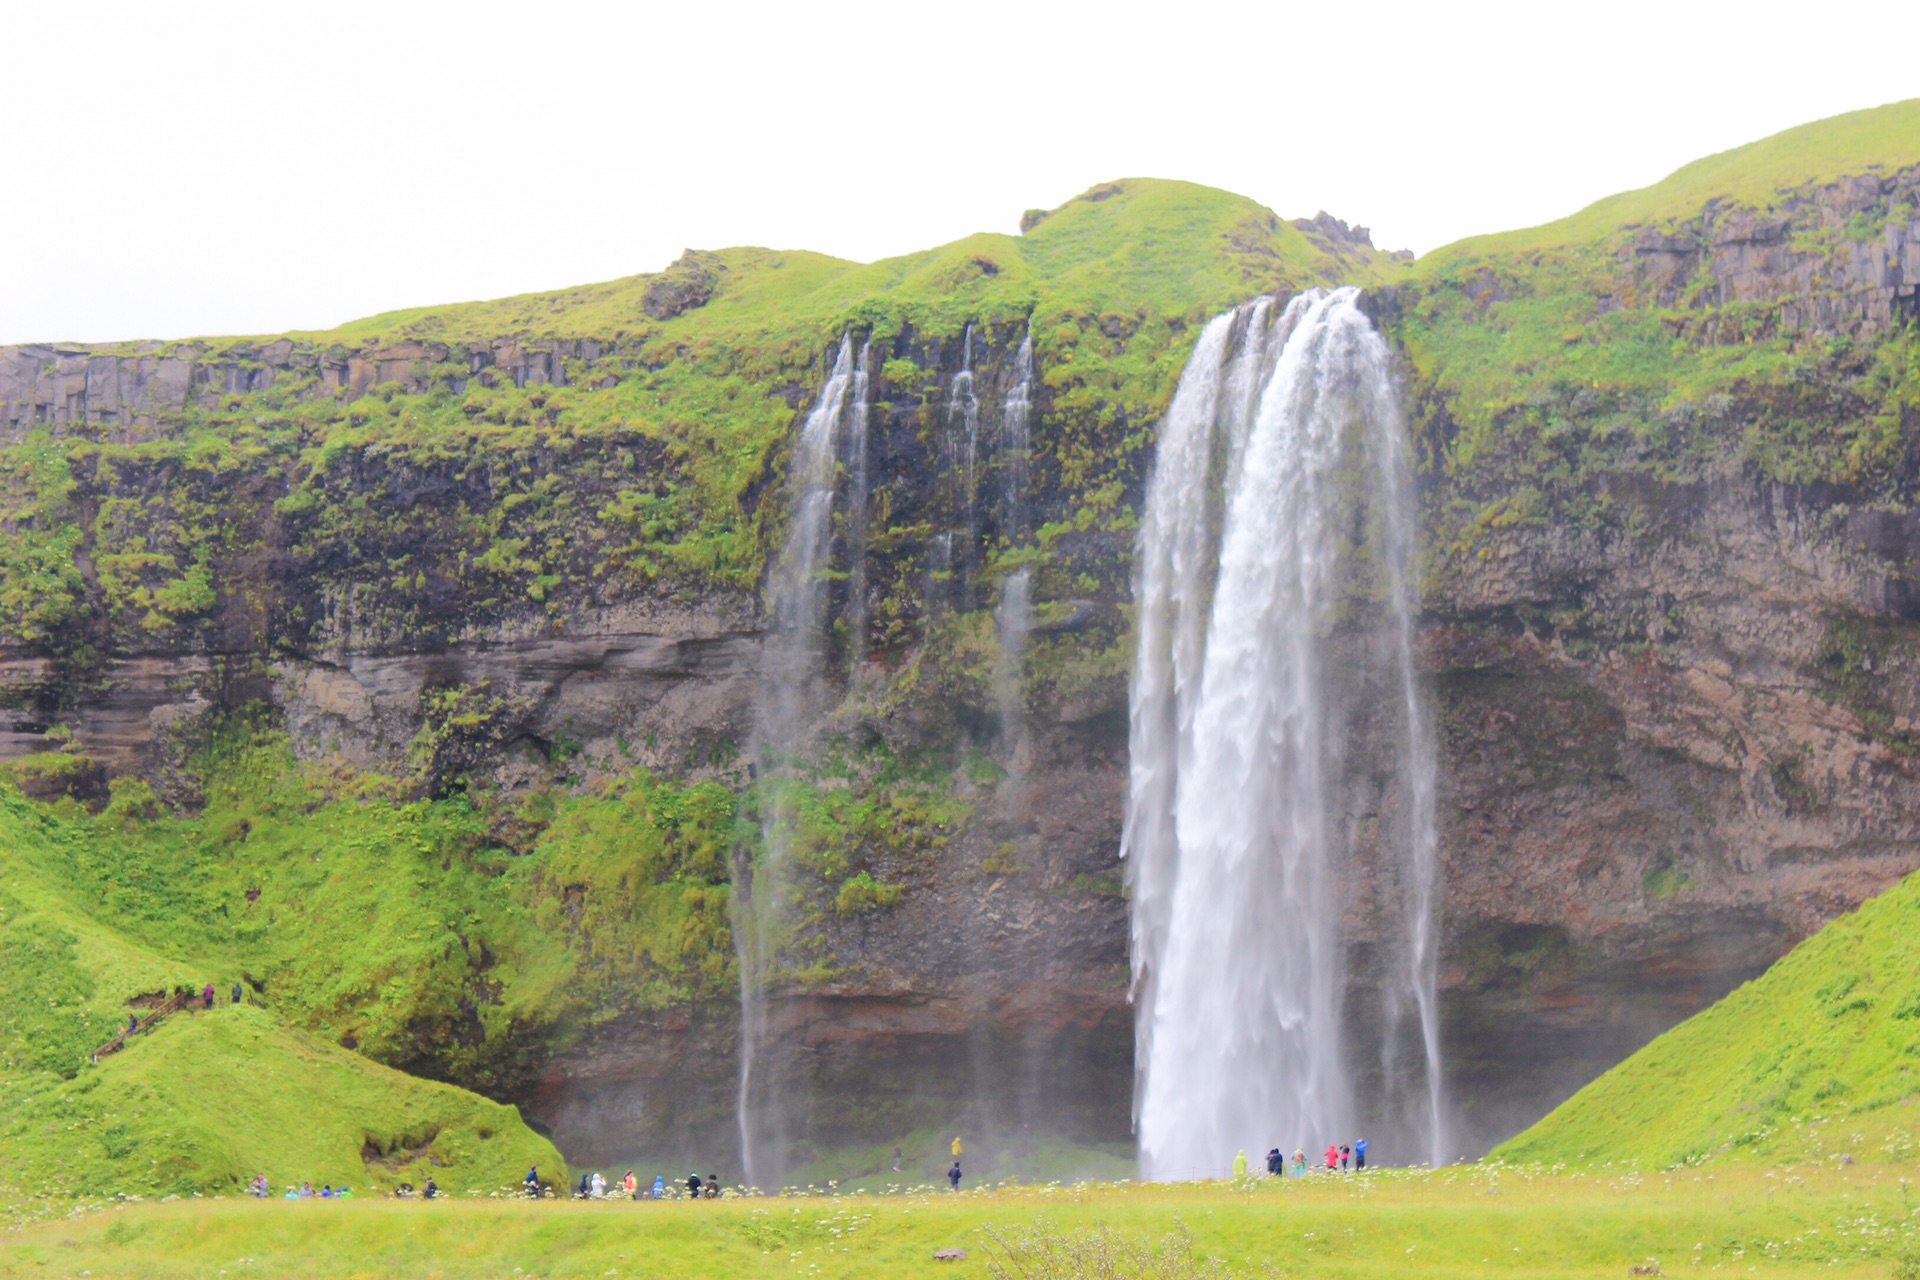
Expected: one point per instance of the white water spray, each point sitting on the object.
(1013, 617)
(1277, 528)
(791, 692)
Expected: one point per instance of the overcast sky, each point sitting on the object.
(177, 169)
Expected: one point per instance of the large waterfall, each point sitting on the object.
(1278, 741)
(793, 693)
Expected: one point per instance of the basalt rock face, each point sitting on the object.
(1675, 737)
(1862, 280)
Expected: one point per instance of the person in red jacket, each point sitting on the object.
(1333, 1158)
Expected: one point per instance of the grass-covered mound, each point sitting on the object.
(1818, 1057)
(209, 1099)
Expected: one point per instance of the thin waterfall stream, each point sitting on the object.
(792, 695)
(1275, 713)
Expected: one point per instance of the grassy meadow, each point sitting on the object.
(1792, 1220)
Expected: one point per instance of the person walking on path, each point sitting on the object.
(1240, 1165)
(1360, 1154)
(953, 1174)
(207, 995)
(236, 993)
(1346, 1157)
(630, 1185)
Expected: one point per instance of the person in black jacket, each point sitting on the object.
(953, 1176)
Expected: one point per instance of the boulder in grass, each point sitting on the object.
(950, 1255)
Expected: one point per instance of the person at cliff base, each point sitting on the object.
(630, 1185)
(207, 995)
(1239, 1165)
(693, 1185)
(599, 1186)
(431, 1190)
(1333, 1157)
(532, 1182)
(953, 1174)
(258, 1187)
(236, 993)
(1360, 1154)
(659, 1186)
(713, 1186)
(585, 1189)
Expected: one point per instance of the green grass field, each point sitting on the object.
(1789, 1221)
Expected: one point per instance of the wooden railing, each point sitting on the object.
(178, 1001)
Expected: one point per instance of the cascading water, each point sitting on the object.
(791, 693)
(858, 484)
(954, 554)
(1013, 617)
(1275, 618)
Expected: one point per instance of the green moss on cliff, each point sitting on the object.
(398, 926)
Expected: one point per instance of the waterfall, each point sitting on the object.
(1013, 617)
(790, 694)
(963, 450)
(1275, 620)
(858, 485)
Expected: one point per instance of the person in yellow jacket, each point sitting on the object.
(956, 1148)
(1240, 1166)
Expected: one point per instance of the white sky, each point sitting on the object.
(179, 168)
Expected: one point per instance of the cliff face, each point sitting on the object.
(1670, 625)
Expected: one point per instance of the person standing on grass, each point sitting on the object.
(1360, 1154)
(1333, 1157)
(532, 1182)
(599, 1186)
(236, 993)
(713, 1186)
(630, 1185)
(207, 995)
(693, 1186)
(1240, 1165)
(659, 1186)
(954, 1175)
(431, 1190)
(1299, 1162)
(1346, 1157)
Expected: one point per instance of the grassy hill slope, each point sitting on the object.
(209, 1099)
(1817, 1057)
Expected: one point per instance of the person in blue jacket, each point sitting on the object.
(1360, 1154)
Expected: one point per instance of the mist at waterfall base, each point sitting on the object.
(1281, 765)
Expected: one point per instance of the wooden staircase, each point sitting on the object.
(179, 1001)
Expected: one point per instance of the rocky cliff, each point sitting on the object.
(514, 551)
